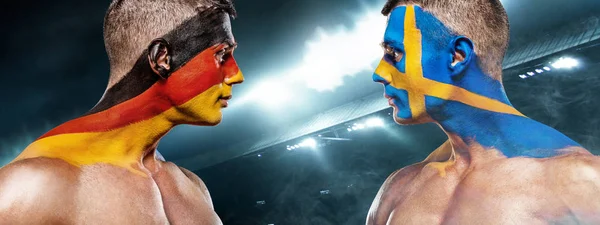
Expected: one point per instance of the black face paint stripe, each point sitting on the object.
(198, 34)
(208, 28)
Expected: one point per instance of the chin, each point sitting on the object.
(206, 119)
(212, 120)
(419, 119)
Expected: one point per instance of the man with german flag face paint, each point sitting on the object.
(171, 63)
(442, 64)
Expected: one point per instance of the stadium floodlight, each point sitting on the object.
(523, 76)
(565, 63)
(375, 122)
(547, 68)
(310, 142)
(539, 70)
(360, 126)
(530, 73)
(335, 55)
(349, 129)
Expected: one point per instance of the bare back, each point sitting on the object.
(51, 191)
(558, 190)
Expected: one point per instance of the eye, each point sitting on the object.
(220, 56)
(393, 53)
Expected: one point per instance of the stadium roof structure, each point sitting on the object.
(568, 37)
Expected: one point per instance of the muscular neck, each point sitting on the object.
(512, 135)
(121, 134)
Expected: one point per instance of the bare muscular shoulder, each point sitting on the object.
(389, 194)
(397, 186)
(33, 191)
(575, 180)
(559, 190)
(198, 183)
(185, 196)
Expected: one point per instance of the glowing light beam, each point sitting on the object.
(344, 53)
(329, 58)
(565, 63)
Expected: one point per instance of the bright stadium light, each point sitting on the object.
(269, 93)
(336, 55)
(523, 76)
(349, 129)
(310, 142)
(539, 70)
(565, 63)
(530, 73)
(328, 58)
(375, 122)
(547, 68)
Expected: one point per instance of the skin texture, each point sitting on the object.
(103, 168)
(498, 166)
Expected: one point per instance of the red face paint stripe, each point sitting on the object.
(184, 84)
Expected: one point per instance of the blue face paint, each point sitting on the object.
(423, 84)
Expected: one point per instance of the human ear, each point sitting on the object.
(462, 54)
(159, 57)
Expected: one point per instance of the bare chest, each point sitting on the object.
(107, 195)
(505, 196)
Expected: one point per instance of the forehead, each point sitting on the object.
(406, 18)
(226, 27)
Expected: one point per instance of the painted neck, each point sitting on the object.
(118, 131)
(115, 132)
(512, 135)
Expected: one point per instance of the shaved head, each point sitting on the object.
(483, 21)
(131, 25)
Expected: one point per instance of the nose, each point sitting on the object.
(237, 78)
(382, 73)
(377, 78)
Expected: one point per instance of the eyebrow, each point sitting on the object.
(230, 44)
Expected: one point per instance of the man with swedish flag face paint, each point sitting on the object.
(171, 63)
(442, 64)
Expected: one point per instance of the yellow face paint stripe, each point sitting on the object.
(450, 92)
(418, 86)
(386, 71)
(412, 44)
(80, 149)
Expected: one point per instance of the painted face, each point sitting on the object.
(202, 85)
(416, 70)
(410, 57)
